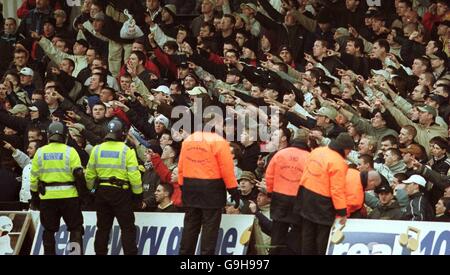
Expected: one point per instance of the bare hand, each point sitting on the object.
(35, 35)
(253, 207)
(56, 71)
(8, 146)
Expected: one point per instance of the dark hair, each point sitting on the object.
(406, 2)
(232, 19)
(141, 56)
(383, 43)
(438, 44)
(208, 25)
(17, 51)
(171, 45)
(70, 62)
(167, 188)
(396, 152)
(13, 74)
(401, 177)
(323, 42)
(440, 141)
(102, 78)
(99, 3)
(358, 43)
(12, 19)
(367, 159)
(392, 139)
(426, 62)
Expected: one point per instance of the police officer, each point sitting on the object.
(55, 169)
(113, 172)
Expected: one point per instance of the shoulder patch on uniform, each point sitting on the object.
(110, 154)
(53, 156)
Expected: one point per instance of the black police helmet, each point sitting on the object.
(115, 130)
(57, 132)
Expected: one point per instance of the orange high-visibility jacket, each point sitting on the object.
(322, 191)
(205, 170)
(285, 171)
(354, 191)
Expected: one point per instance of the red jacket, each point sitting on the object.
(166, 177)
(149, 65)
(165, 61)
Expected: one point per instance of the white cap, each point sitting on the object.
(197, 91)
(26, 71)
(163, 120)
(162, 89)
(416, 179)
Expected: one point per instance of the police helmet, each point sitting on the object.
(57, 132)
(115, 130)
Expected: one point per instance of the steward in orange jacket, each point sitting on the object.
(321, 198)
(205, 173)
(283, 176)
(354, 193)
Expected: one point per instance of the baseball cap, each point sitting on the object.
(417, 179)
(383, 188)
(19, 108)
(163, 120)
(162, 89)
(197, 91)
(428, 109)
(26, 71)
(438, 98)
(327, 112)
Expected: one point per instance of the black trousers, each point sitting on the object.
(285, 239)
(314, 238)
(208, 220)
(110, 203)
(51, 212)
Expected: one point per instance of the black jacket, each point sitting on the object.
(418, 209)
(250, 157)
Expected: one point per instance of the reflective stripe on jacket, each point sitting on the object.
(54, 163)
(114, 159)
